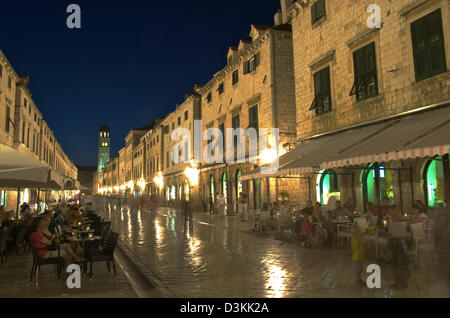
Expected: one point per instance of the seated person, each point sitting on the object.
(8, 223)
(418, 215)
(317, 214)
(59, 218)
(341, 213)
(41, 243)
(384, 209)
(308, 211)
(48, 215)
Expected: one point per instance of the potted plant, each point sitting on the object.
(284, 196)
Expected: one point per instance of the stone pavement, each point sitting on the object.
(15, 281)
(219, 257)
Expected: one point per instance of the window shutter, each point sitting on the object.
(326, 95)
(320, 8)
(435, 42)
(246, 67)
(313, 13)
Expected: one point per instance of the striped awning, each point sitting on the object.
(422, 135)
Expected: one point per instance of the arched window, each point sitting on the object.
(377, 185)
(239, 186)
(327, 186)
(173, 193)
(224, 186)
(187, 191)
(434, 185)
(211, 189)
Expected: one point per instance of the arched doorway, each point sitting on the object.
(434, 183)
(224, 186)
(187, 192)
(173, 193)
(239, 184)
(377, 185)
(257, 194)
(327, 186)
(211, 189)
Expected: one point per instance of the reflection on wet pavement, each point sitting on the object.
(215, 257)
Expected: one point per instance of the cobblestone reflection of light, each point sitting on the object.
(194, 246)
(130, 226)
(159, 232)
(275, 284)
(140, 228)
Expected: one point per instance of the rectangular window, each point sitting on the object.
(9, 82)
(253, 118)
(236, 124)
(318, 11)
(179, 121)
(322, 92)
(186, 115)
(157, 163)
(173, 126)
(1, 71)
(220, 89)
(428, 46)
(365, 67)
(252, 64)
(7, 123)
(25, 102)
(167, 160)
(28, 137)
(222, 130)
(235, 77)
(209, 97)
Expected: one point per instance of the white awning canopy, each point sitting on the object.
(419, 136)
(17, 170)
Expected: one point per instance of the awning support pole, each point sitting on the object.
(309, 187)
(411, 184)
(18, 202)
(353, 191)
(400, 189)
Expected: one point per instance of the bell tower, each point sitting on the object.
(103, 147)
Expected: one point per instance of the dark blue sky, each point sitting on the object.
(131, 62)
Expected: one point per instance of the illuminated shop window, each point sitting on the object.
(377, 185)
(327, 186)
(435, 183)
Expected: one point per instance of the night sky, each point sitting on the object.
(131, 62)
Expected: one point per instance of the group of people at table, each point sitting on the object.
(46, 231)
(337, 213)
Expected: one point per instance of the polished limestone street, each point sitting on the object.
(220, 257)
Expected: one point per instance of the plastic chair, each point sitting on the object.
(421, 242)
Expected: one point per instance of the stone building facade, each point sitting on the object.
(333, 41)
(255, 89)
(23, 128)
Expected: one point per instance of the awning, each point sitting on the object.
(17, 170)
(422, 135)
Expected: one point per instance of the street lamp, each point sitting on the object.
(192, 174)
(159, 180)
